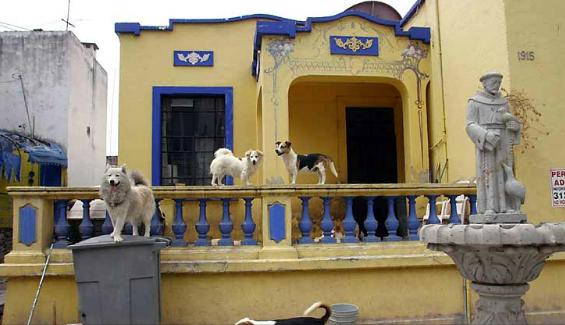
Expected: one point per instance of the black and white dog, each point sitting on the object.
(304, 320)
(313, 162)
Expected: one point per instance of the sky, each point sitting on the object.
(94, 20)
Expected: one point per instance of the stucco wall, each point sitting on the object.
(468, 49)
(473, 41)
(537, 27)
(147, 61)
(427, 16)
(317, 120)
(309, 57)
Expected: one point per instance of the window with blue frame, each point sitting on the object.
(192, 128)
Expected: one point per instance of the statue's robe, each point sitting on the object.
(485, 115)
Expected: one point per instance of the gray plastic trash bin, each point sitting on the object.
(118, 283)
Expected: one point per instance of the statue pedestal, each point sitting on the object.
(498, 218)
(500, 260)
(500, 304)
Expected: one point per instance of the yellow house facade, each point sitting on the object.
(284, 83)
(294, 88)
(385, 98)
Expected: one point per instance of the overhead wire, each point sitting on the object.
(12, 25)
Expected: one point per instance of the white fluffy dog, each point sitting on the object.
(128, 198)
(226, 164)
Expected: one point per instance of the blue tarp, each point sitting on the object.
(47, 155)
(39, 151)
(11, 164)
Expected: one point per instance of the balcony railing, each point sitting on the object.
(248, 216)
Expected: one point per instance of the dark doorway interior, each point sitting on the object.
(50, 175)
(371, 157)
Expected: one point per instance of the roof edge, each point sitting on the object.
(136, 28)
(413, 10)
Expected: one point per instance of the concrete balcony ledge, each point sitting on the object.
(248, 259)
(176, 260)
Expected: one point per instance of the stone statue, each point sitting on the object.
(500, 252)
(495, 131)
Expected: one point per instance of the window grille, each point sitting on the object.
(192, 129)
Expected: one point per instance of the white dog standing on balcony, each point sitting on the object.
(226, 164)
(128, 198)
(312, 162)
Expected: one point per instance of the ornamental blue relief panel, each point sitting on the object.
(193, 58)
(276, 222)
(28, 224)
(354, 45)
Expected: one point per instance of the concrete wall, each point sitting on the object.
(87, 117)
(43, 60)
(65, 88)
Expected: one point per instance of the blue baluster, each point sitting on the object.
(128, 229)
(305, 224)
(61, 225)
(179, 226)
(453, 216)
(432, 217)
(349, 223)
(156, 228)
(413, 221)
(107, 226)
(473, 201)
(327, 223)
(226, 225)
(86, 228)
(391, 223)
(202, 226)
(370, 222)
(248, 226)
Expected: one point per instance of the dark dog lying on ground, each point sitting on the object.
(304, 320)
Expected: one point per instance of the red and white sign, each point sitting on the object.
(558, 187)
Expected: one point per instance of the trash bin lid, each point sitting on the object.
(107, 241)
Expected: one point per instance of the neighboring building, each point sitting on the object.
(53, 88)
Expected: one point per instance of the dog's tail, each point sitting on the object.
(332, 168)
(138, 179)
(222, 152)
(317, 305)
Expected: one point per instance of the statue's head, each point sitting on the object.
(491, 81)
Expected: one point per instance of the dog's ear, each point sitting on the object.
(287, 143)
(108, 166)
(123, 167)
(248, 153)
(260, 153)
(277, 143)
